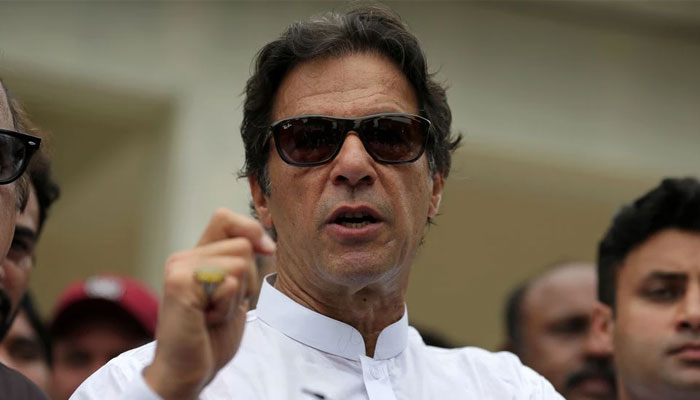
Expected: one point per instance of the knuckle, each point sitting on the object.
(234, 266)
(178, 273)
(248, 224)
(222, 213)
(245, 247)
(234, 290)
(177, 280)
(257, 228)
(177, 257)
(230, 287)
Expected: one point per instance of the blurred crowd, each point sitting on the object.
(94, 320)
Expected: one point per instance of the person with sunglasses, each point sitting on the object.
(348, 145)
(16, 150)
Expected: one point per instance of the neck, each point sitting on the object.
(369, 309)
(652, 392)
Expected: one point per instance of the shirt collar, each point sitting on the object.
(323, 333)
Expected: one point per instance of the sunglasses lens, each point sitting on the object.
(12, 155)
(314, 140)
(308, 140)
(395, 138)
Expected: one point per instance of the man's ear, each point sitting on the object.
(436, 196)
(603, 327)
(260, 202)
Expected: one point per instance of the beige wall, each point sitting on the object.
(568, 110)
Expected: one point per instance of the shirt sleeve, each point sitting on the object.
(532, 383)
(108, 384)
(526, 383)
(139, 390)
(120, 379)
(541, 388)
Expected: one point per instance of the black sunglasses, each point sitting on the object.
(390, 138)
(16, 149)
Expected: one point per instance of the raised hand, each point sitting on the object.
(198, 334)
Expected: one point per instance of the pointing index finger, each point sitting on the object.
(226, 224)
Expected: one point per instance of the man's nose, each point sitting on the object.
(689, 311)
(595, 346)
(353, 165)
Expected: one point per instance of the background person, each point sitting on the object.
(649, 289)
(27, 347)
(94, 321)
(548, 325)
(16, 150)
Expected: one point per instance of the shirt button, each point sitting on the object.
(377, 372)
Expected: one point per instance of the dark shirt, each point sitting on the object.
(15, 386)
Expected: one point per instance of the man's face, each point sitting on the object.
(312, 246)
(23, 351)
(87, 347)
(8, 216)
(19, 262)
(556, 334)
(656, 327)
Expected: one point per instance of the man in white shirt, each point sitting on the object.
(649, 287)
(348, 145)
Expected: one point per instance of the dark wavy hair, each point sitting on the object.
(370, 29)
(674, 204)
(512, 314)
(39, 170)
(38, 325)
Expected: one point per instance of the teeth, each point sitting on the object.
(354, 215)
(355, 225)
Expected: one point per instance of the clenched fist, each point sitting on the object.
(198, 334)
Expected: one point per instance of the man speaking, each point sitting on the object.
(348, 145)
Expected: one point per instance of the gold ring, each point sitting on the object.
(209, 276)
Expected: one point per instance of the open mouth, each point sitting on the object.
(689, 353)
(354, 220)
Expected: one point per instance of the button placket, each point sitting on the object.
(377, 372)
(376, 377)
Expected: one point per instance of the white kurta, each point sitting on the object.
(291, 352)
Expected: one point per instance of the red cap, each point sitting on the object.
(127, 294)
